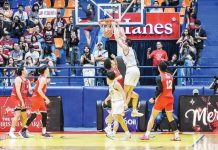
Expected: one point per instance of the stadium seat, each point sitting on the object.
(71, 4)
(48, 20)
(182, 15)
(147, 2)
(186, 3)
(169, 10)
(68, 13)
(14, 4)
(160, 2)
(57, 53)
(67, 20)
(48, 3)
(59, 4)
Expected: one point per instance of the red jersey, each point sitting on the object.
(167, 85)
(44, 89)
(5, 44)
(117, 73)
(158, 56)
(23, 89)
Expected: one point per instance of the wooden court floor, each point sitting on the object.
(91, 141)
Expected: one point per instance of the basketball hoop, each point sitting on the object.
(106, 25)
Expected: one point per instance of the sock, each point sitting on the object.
(109, 125)
(24, 117)
(43, 130)
(12, 130)
(176, 133)
(24, 129)
(44, 119)
(113, 132)
(147, 133)
(127, 133)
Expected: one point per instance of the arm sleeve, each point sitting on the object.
(159, 88)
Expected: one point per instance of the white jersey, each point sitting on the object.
(114, 93)
(130, 59)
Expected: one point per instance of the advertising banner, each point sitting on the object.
(198, 113)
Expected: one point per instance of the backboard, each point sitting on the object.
(123, 10)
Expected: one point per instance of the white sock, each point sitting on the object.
(113, 132)
(43, 130)
(176, 134)
(134, 110)
(147, 133)
(127, 133)
(12, 130)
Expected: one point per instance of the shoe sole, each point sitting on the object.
(22, 135)
(109, 137)
(137, 115)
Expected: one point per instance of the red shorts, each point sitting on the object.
(164, 103)
(16, 103)
(38, 104)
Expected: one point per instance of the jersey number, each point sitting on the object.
(169, 84)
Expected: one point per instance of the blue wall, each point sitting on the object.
(79, 103)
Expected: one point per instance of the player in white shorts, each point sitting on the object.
(117, 97)
(132, 70)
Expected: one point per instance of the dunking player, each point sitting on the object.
(163, 100)
(39, 101)
(132, 71)
(117, 97)
(19, 98)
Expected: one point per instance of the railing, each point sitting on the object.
(69, 69)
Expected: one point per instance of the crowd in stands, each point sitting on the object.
(26, 39)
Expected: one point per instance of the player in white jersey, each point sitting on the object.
(117, 97)
(132, 70)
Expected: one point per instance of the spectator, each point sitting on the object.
(186, 36)
(23, 45)
(157, 57)
(38, 33)
(172, 62)
(17, 55)
(7, 43)
(165, 3)
(36, 44)
(70, 30)
(199, 35)
(33, 54)
(18, 27)
(9, 72)
(21, 14)
(2, 62)
(49, 36)
(90, 14)
(87, 60)
(49, 58)
(30, 68)
(156, 10)
(34, 17)
(192, 17)
(100, 55)
(137, 6)
(187, 55)
(214, 86)
(2, 25)
(8, 13)
(59, 25)
(28, 34)
(41, 4)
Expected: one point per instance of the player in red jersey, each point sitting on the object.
(19, 97)
(39, 101)
(163, 100)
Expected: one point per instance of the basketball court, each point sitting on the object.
(95, 140)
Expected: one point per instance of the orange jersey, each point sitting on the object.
(167, 85)
(23, 89)
(44, 89)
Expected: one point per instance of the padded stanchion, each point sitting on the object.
(143, 108)
(100, 115)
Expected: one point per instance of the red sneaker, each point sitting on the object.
(175, 139)
(144, 137)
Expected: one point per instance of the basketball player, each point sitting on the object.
(19, 97)
(132, 71)
(163, 100)
(39, 101)
(117, 97)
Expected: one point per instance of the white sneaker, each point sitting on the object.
(126, 137)
(12, 135)
(108, 130)
(28, 134)
(110, 136)
(135, 113)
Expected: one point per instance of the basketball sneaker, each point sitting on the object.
(12, 135)
(23, 134)
(46, 135)
(175, 139)
(135, 113)
(110, 136)
(144, 137)
(108, 130)
(126, 137)
(28, 134)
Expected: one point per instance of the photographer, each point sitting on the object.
(187, 55)
(18, 27)
(87, 60)
(214, 86)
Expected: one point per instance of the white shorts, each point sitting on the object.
(132, 76)
(117, 107)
